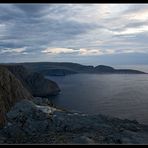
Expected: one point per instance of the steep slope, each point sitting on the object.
(41, 87)
(34, 82)
(11, 91)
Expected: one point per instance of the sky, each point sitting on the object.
(84, 33)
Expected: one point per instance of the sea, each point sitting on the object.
(119, 95)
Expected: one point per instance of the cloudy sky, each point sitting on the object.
(83, 33)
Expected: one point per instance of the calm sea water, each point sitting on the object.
(119, 95)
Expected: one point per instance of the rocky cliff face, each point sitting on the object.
(11, 91)
(41, 87)
(34, 82)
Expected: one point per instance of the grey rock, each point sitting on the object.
(82, 140)
(37, 126)
(42, 101)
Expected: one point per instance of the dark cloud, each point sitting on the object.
(31, 8)
(28, 26)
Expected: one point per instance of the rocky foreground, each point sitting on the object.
(37, 121)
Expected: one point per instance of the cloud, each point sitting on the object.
(83, 30)
(77, 52)
(133, 30)
(32, 8)
(58, 50)
(87, 52)
(137, 12)
(27, 25)
(13, 50)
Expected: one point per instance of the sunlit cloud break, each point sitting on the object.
(78, 52)
(58, 50)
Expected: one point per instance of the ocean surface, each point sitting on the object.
(118, 95)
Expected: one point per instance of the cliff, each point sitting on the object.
(11, 91)
(36, 84)
(41, 87)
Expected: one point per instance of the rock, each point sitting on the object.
(33, 81)
(30, 117)
(131, 127)
(2, 114)
(26, 109)
(42, 101)
(37, 124)
(41, 87)
(82, 140)
(20, 109)
(11, 91)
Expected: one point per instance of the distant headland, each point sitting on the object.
(66, 68)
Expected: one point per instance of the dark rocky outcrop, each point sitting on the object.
(34, 81)
(41, 87)
(11, 91)
(32, 123)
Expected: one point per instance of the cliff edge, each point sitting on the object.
(11, 91)
(35, 82)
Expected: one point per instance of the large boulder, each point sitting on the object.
(11, 91)
(32, 118)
